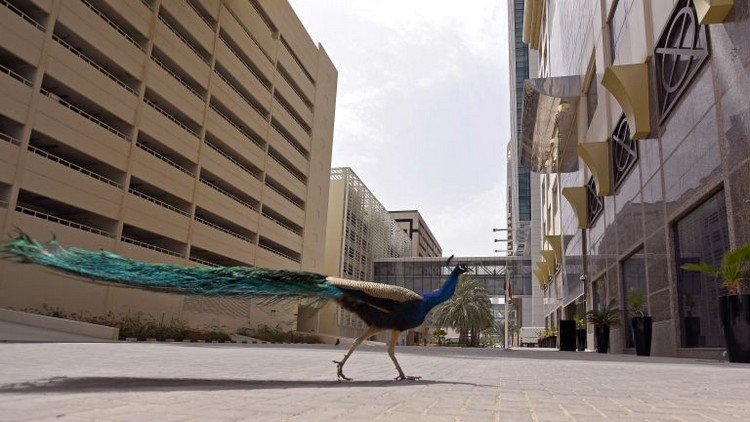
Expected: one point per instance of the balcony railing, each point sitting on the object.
(286, 226)
(165, 159)
(294, 201)
(291, 142)
(63, 221)
(263, 114)
(74, 166)
(222, 229)
(228, 157)
(222, 191)
(77, 110)
(158, 202)
(24, 16)
(202, 262)
(7, 138)
(272, 250)
(180, 80)
(16, 76)
(286, 167)
(170, 117)
(92, 63)
(240, 57)
(249, 136)
(249, 34)
(200, 15)
(114, 25)
(150, 246)
(293, 114)
(184, 41)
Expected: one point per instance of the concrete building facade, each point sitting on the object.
(359, 231)
(523, 206)
(193, 132)
(638, 120)
(423, 242)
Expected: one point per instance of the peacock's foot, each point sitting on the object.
(340, 371)
(403, 377)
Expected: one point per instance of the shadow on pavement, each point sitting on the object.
(127, 384)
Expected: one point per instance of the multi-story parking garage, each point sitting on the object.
(180, 131)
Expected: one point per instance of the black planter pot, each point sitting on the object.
(735, 318)
(581, 339)
(642, 335)
(567, 335)
(692, 331)
(602, 338)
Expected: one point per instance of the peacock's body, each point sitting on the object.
(381, 306)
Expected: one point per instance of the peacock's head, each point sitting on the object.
(459, 268)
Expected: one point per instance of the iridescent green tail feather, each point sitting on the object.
(264, 284)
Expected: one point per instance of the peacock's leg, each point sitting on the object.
(371, 331)
(392, 353)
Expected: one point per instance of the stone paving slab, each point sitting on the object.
(185, 382)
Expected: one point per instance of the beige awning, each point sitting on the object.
(555, 241)
(712, 11)
(577, 197)
(548, 125)
(541, 277)
(532, 22)
(598, 158)
(544, 267)
(549, 256)
(629, 85)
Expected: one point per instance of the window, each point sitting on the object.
(595, 203)
(592, 98)
(681, 50)
(633, 279)
(614, 25)
(624, 152)
(701, 236)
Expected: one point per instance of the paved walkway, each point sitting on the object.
(136, 381)
(12, 332)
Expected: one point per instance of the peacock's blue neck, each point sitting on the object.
(436, 297)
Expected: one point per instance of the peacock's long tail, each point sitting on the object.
(267, 285)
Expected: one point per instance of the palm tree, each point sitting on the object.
(468, 312)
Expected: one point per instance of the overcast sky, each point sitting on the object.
(422, 107)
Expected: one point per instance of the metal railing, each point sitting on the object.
(292, 172)
(202, 262)
(7, 138)
(16, 76)
(114, 25)
(200, 15)
(263, 114)
(299, 204)
(228, 157)
(293, 114)
(222, 229)
(180, 80)
(249, 34)
(24, 16)
(286, 226)
(184, 41)
(63, 221)
(169, 116)
(294, 145)
(294, 87)
(222, 191)
(150, 246)
(261, 79)
(77, 110)
(165, 159)
(92, 63)
(250, 137)
(158, 202)
(73, 166)
(272, 250)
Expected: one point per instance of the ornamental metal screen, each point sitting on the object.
(681, 50)
(624, 152)
(595, 203)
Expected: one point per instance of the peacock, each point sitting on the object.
(381, 306)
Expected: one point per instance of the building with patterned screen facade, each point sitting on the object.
(638, 122)
(191, 132)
